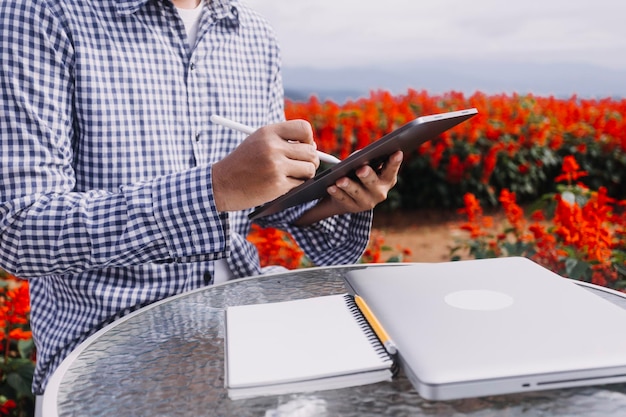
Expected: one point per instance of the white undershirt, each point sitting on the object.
(191, 20)
(222, 272)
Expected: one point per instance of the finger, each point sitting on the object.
(368, 191)
(354, 191)
(387, 172)
(368, 176)
(392, 167)
(300, 170)
(301, 152)
(295, 130)
(341, 197)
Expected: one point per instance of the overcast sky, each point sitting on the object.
(337, 33)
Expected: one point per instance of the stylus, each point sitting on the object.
(249, 130)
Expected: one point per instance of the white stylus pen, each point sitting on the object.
(249, 130)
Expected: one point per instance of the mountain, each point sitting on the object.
(490, 77)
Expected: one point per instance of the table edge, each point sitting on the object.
(51, 392)
(52, 389)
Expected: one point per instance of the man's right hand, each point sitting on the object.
(267, 164)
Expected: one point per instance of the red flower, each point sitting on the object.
(19, 334)
(524, 168)
(276, 247)
(570, 170)
(514, 213)
(7, 407)
(455, 169)
(472, 208)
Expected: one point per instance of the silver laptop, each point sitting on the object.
(494, 326)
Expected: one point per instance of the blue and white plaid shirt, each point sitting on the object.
(106, 148)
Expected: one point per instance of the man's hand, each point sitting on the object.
(350, 196)
(266, 165)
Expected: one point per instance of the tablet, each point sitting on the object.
(406, 138)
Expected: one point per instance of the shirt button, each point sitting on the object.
(192, 66)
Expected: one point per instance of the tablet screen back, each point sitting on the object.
(406, 138)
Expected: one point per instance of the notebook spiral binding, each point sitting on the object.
(367, 328)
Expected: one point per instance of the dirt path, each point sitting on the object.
(429, 235)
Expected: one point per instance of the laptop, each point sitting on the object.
(406, 138)
(494, 326)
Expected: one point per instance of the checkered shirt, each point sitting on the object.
(106, 202)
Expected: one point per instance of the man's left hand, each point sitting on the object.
(351, 196)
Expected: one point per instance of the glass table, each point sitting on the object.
(167, 359)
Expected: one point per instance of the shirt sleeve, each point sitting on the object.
(46, 225)
(337, 240)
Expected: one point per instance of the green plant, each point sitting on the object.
(576, 232)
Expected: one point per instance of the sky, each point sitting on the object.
(349, 33)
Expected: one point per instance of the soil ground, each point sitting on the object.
(429, 235)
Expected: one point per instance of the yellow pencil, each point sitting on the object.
(378, 328)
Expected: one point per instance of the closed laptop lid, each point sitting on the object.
(464, 322)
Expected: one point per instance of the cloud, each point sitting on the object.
(336, 33)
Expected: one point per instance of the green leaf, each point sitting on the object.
(621, 269)
(26, 347)
(21, 385)
(24, 367)
(577, 269)
(620, 284)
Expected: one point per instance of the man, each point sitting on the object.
(117, 191)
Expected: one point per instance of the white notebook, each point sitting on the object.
(299, 346)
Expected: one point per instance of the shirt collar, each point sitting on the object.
(222, 9)
(225, 9)
(129, 6)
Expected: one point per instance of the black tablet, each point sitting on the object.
(406, 138)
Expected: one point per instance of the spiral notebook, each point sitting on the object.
(300, 346)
